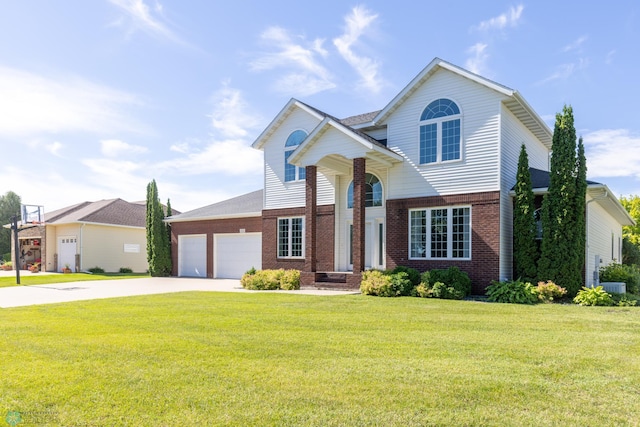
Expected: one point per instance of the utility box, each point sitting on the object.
(614, 287)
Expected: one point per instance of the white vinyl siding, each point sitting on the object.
(603, 230)
(478, 170)
(278, 192)
(513, 135)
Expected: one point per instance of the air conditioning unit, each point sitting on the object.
(614, 287)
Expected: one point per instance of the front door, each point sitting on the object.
(67, 249)
(373, 246)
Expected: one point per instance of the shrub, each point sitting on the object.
(267, 280)
(624, 300)
(262, 280)
(549, 291)
(440, 290)
(593, 296)
(290, 280)
(96, 270)
(125, 270)
(629, 274)
(376, 282)
(512, 291)
(452, 277)
(251, 271)
(6, 257)
(413, 275)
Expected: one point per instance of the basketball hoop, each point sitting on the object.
(32, 215)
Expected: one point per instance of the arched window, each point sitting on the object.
(440, 139)
(373, 190)
(291, 172)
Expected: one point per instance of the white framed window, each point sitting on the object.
(440, 132)
(292, 172)
(291, 237)
(373, 192)
(440, 233)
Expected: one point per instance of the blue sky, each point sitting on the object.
(99, 97)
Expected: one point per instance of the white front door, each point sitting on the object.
(373, 246)
(67, 252)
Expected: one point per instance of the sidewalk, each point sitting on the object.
(19, 296)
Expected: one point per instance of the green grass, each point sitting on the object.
(44, 279)
(294, 360)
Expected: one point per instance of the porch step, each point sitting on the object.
(331, 280)
(331, 277)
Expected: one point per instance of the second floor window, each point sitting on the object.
(440, 135)
(292, 172)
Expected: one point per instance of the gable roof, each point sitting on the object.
(598, 192)
(245, 205)
(281, 117)
(108, 212)
(514, 102)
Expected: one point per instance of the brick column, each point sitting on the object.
(359, 195)
(310, 218)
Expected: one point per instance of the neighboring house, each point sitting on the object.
(425, 183)
(109, 234)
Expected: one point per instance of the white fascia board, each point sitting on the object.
(279, 118)
(213, 217)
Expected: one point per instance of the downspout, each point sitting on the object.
(604, 195)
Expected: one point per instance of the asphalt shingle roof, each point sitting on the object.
(112, 212)
(250, 203)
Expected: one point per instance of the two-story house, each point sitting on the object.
(425, 183)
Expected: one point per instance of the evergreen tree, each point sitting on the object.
(525, 249)
(169, 213)
(562, 252)
(158, 252)
(9, 206)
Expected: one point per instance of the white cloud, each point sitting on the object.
(54, 148)
(357, 25)
(32, 104)
(147, 19)
(507, 19)
(230, 116)
(306, 74)
(477, 62)
(564, 71)
(115, 148)
(575, 45)
(604, 150)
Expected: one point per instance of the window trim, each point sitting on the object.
(299, 172)
(350, 192)
(438, 121)
(428, 234)
(290, 236)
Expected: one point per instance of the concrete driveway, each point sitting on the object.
(18, 296)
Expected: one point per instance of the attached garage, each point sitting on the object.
(192, 255)
(222, 240)
(236, 253)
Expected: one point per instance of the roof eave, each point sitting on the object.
(258, 144)
(214, 217)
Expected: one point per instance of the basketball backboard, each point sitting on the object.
(32, 214)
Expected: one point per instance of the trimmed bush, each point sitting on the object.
(549, 291)
(267, 280)
(441, 290)
(125, 270)
(512, 291)
(96, 270)
(413, 275)
(386, 283)
(593, 296)
(629, 274)
(624, 300)
(454, 278)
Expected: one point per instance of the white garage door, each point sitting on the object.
(236, 253)
(192, 255)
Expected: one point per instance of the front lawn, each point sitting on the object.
(45, 279)
(243, 359)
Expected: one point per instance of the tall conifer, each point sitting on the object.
(525, 249)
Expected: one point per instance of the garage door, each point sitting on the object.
(192, 255)
(236, 253)
(67, 252)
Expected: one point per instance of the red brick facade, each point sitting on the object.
(210, 227)
(324, 244)
(484, 264)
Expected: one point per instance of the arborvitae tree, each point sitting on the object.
(169, 213)
(9, 206)
(580, 212)
(562, 253)
(158, 253)
(525, 249)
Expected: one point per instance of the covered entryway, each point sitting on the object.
(235, 253)
(192, 255)
(67, 246)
